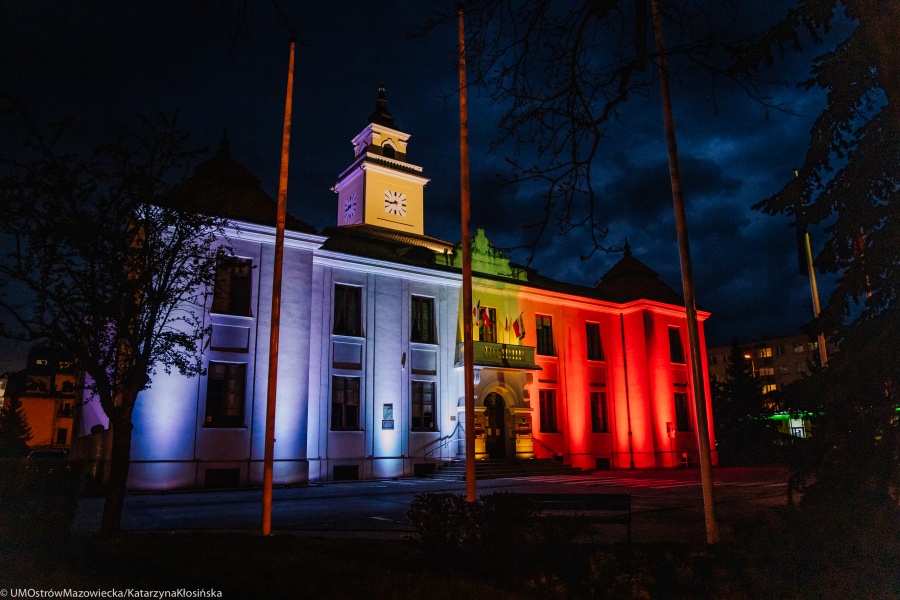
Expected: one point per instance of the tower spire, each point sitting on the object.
(224, 145)
(381, 116)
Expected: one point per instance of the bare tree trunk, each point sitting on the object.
(120, 461)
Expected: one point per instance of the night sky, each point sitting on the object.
(102, 62)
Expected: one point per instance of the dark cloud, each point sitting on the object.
(103, 61)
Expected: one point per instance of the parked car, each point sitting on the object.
(48, 461)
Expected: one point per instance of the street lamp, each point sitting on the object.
(749, 357)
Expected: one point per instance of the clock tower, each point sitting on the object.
(380, 187)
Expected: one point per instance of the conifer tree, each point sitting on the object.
(849, 181)
(743, 432)
(14, 430)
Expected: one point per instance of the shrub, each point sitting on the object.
(495, 528)
(36, 506)
(442, 524)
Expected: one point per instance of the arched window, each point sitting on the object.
(388, 151)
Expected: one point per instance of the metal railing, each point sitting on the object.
(446, 441)
(547, 447)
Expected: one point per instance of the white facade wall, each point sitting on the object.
(171, 445)
(386, 362)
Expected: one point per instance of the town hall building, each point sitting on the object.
(370, 378)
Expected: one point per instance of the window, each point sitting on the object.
(62, 434)
(676, 350)
(225, 395)
(232, 292)
(769, 387)
(487, 324)
(802, 367)
(547, 400)
(682, 412)
(594, 345)
(599, 422)
(765, 353)
(344, 403)
(423, 406)
(799, 349)
(388, 151)
(37, 385)
(544, 329)
(422, 320)
(347, 310)
(764, 371)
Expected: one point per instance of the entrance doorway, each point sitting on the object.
(495, 425)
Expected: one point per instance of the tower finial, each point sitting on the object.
(381, 116)
(224, 146)
(627, 248)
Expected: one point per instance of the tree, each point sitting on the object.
(109, 262)
(562, 71)
(14, 430)
(850, 182)
(741, 411)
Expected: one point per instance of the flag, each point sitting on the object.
(476, 312)
(519, 327)
(486, 317)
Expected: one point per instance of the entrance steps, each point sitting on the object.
(504, 469)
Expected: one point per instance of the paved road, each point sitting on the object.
(667, 504)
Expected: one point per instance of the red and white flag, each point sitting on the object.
(519, 327)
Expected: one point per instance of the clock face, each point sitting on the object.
(395, 203)
(349, 208)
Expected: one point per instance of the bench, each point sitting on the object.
(594, 508)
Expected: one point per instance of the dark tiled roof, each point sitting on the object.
(380, 243)
(221, 186)
(382, 233)
(630, 279)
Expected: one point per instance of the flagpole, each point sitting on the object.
(269, 454)
(807, 268)
(687, 280)
(468, 346)
(814, 291)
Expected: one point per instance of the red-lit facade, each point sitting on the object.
(610, 381)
